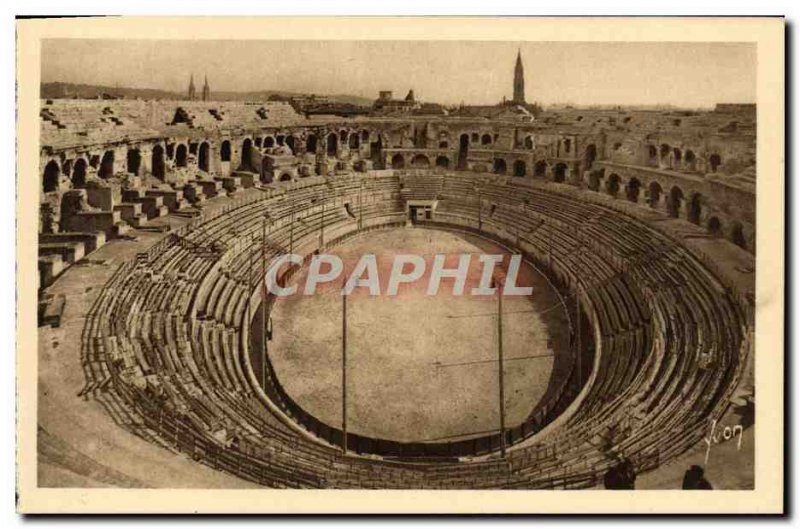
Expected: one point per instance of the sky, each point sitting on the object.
(448, 72)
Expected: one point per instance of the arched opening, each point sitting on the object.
(290, 143)
(695, 209)
(269, 142)
(674, 202)
(596, 179)
(225, 151)
(612, 186)
(486, 139)
(157, 162)
(376, 152)
(737, 235)
(475, 137)
(311, 143)
(632, 189)
(528, 142)
(559, 172)
(79, 173)
(499, 166)
(714, 226)
(655, 194)
(266, 170)
(286, 177)
(689, 160)
(134, 161)
(343, 137)
(246, 163)
(677, 155)
(202, 157)
(463, 150)
(364, 136)
(420, 161)
(714, 161)
(520, 168)
(443, 144)
(353, 142)
(333, 144)
(180, 155)
(94, 161)
(589, 156)
(442, 161)
(652, 155)
(567, 145)
(106, 165)
(398, 162)
(540, 169)
(170, 151)
(664, 151)
(280, 139)
(51, 176)
(66, 168)
(258, 142)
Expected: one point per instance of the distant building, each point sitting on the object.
(206, 90)
(519, 81)
(192, 92)
(386, 104)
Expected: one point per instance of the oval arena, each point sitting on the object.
(159, 341)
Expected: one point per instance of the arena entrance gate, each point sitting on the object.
(420, 210)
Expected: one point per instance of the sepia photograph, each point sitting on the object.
(361, 262)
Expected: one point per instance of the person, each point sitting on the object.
(694, 479)
(621, 476)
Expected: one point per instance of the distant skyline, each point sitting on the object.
(447, 72)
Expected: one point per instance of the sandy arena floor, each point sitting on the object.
(419, 367)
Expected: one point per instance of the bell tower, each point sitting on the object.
(519, 81)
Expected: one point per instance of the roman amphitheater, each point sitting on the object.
(164, 362)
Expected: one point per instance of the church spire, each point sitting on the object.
(519, 80)
(191, 87)
(206, 90)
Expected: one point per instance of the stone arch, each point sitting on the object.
(652, 156)
(674, 201)
(225, 151)
(94, 161)
(79, 173)
(246, 162)
(52, 174)
(258, 142)
(66, 168)
(266, 170)
(398, 162)
(655, 192)
(280, 139)
(290, 141)
(106, 165)
(463, 151)
(689, 160)
(560, 172)
(677, 155)
(714, 226)
(170, 151)
(333, 144)
(476, 138)
(311, 143)
(596, 179)
(612, 185)
(520, 168)
(499, 166)
(442, 161)
(133, 161)
(632, 189)
(343, 134)
(285, 177)
(528, 143)
(737, 235)
(420, 161)
(203, 157)
(269, 142)
(353, 141)
(157, 165)
(486, 139)
(364, 136)
(180, 155)
(589, 156)
(540, 169)
(694, 209)
(714, 161)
